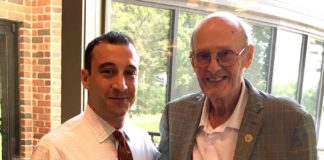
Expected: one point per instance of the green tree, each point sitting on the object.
(258, 71)
(149, 28)
(185, 80)
(309, 101)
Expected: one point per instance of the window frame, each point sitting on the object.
(259, 19)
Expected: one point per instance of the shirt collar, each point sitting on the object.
(99, 127)
(235, 119)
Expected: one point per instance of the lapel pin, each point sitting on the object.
(248, 138)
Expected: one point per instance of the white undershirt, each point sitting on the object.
(219, 143)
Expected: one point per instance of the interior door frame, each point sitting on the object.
(10, 104)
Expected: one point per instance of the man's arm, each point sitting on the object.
(164, 131)
(304, 140)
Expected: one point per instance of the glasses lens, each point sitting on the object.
(226, 57)
(202, 58)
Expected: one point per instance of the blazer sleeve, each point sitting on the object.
(304, 139)
(164, 131)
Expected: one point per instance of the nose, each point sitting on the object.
(120, 83)
(213, 66)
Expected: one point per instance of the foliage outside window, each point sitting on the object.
(286, 64)
(312, 75)
(149, 28)
(258, 71)
(185, 81)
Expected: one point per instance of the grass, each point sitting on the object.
(149, 123)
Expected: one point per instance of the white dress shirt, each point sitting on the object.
(89, 137)
(219, 143)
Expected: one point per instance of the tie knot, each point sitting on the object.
(119, 136)
(124, 153)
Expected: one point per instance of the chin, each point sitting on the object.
(215, 93)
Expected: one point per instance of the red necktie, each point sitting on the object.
(124, 153)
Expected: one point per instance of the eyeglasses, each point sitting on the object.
(224, 57)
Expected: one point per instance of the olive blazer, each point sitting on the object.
(272, 127)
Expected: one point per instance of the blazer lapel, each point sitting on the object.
(250, 125)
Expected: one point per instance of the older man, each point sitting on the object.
(230, 119)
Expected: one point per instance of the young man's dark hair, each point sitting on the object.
(111, 37)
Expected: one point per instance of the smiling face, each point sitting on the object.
(214, 35)
(112, 84)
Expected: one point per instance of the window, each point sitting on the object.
(286, 64)
(258, 73)
(312, 75)
(184, 81)
(162, 38)
(150, 29)
(162, 34)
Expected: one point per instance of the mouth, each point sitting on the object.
(216, 79)
(118, 98)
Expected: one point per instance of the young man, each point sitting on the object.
(230, 119)
(101, 132)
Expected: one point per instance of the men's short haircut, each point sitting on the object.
(111, 37)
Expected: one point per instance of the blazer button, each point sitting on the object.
(248, 138)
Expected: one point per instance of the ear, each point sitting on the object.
(190, 55)
(85, 78)
(249, 56)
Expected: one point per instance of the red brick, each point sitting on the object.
(47, 68)
(38, 82)
(43, 17)
(38, 10)
(27, 122)
(27, 17)
(24, 46)
(44, 103)
(25, 89)
(38, 96)
(43, 89)
(25, 81)
(38, 25)
(28, 2)
(47, 24)
(39, 124)
(43, 130)
(47, 39)
(24, 32)
(43, 3)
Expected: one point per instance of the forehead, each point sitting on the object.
(220, 31)
(118, 54)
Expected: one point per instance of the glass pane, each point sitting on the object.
(320, 143)
(150, 28)
(258, 71)
(312, 73)
(184, 78)
(286, 64)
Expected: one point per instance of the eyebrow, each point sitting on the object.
(110, 64)
(215, 48)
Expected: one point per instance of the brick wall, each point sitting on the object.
(39, 50)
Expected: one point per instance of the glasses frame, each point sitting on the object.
(192, 55)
